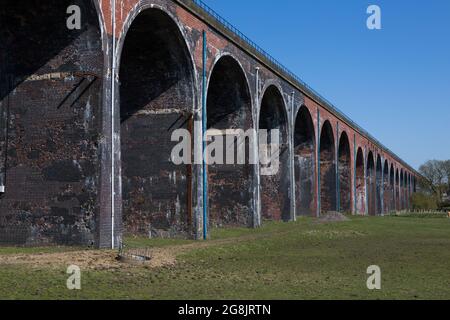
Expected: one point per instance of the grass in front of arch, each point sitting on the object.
(299, 260)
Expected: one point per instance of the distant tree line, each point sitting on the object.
(434, 188)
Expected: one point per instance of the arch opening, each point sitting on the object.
(379, 186)
(275, 199)
(410, 191)
(230, 182)
(405, 189)
(304, 162)
(327, 169)
(397, 191)
(360, 183)
(402, 190)
(156, 98)
(345, 175)
(371, 185)
(392, 189)
(386, 187)
(50, 101)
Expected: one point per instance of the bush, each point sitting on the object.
(422, 201)
(444, 206)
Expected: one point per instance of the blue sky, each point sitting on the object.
(394, 82)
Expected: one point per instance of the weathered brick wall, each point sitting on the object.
(345, 174)
(156, 92)
(304, 162)
(275, 204)
(360, 183)
(327, 169)
(229, 107)
(50, 102)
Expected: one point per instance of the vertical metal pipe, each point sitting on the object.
(382, 187)
(318, 164)
(113, 87)
(293, 198)
(377, 188)
(338, 185)
(366, 209)
(204, 128)
(355, 155)
(400, 184)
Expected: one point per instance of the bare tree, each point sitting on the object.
(437, 176)
(446, 168)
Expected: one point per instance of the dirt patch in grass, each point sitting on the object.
(332, 217)
(90, 259)
(107, 259)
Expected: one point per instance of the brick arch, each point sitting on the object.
(271, 83)
(392, 195)
(275, 197)
(327, 162)
(379, 185)
(344, 173)
(386, 187)
(229, 107)
(304, 162)
(157, 97)
(371, 184)
(397, 190)
(402, 189)
(360, 197)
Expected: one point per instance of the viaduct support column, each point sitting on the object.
(257, 176)
(293, 214)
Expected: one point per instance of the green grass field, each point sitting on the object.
(301, 260)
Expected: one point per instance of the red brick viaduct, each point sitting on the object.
(87, 115)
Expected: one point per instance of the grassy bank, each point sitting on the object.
(301, 260)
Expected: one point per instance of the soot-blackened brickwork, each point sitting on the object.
(229, 107)
(304, 163)
(327, 169)
(274, 188)
(391, 189)
(379, 185)
(345, 174)
(360, 183)
(156, 98)
(371, 185)
(50, 100)
(386, 188)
